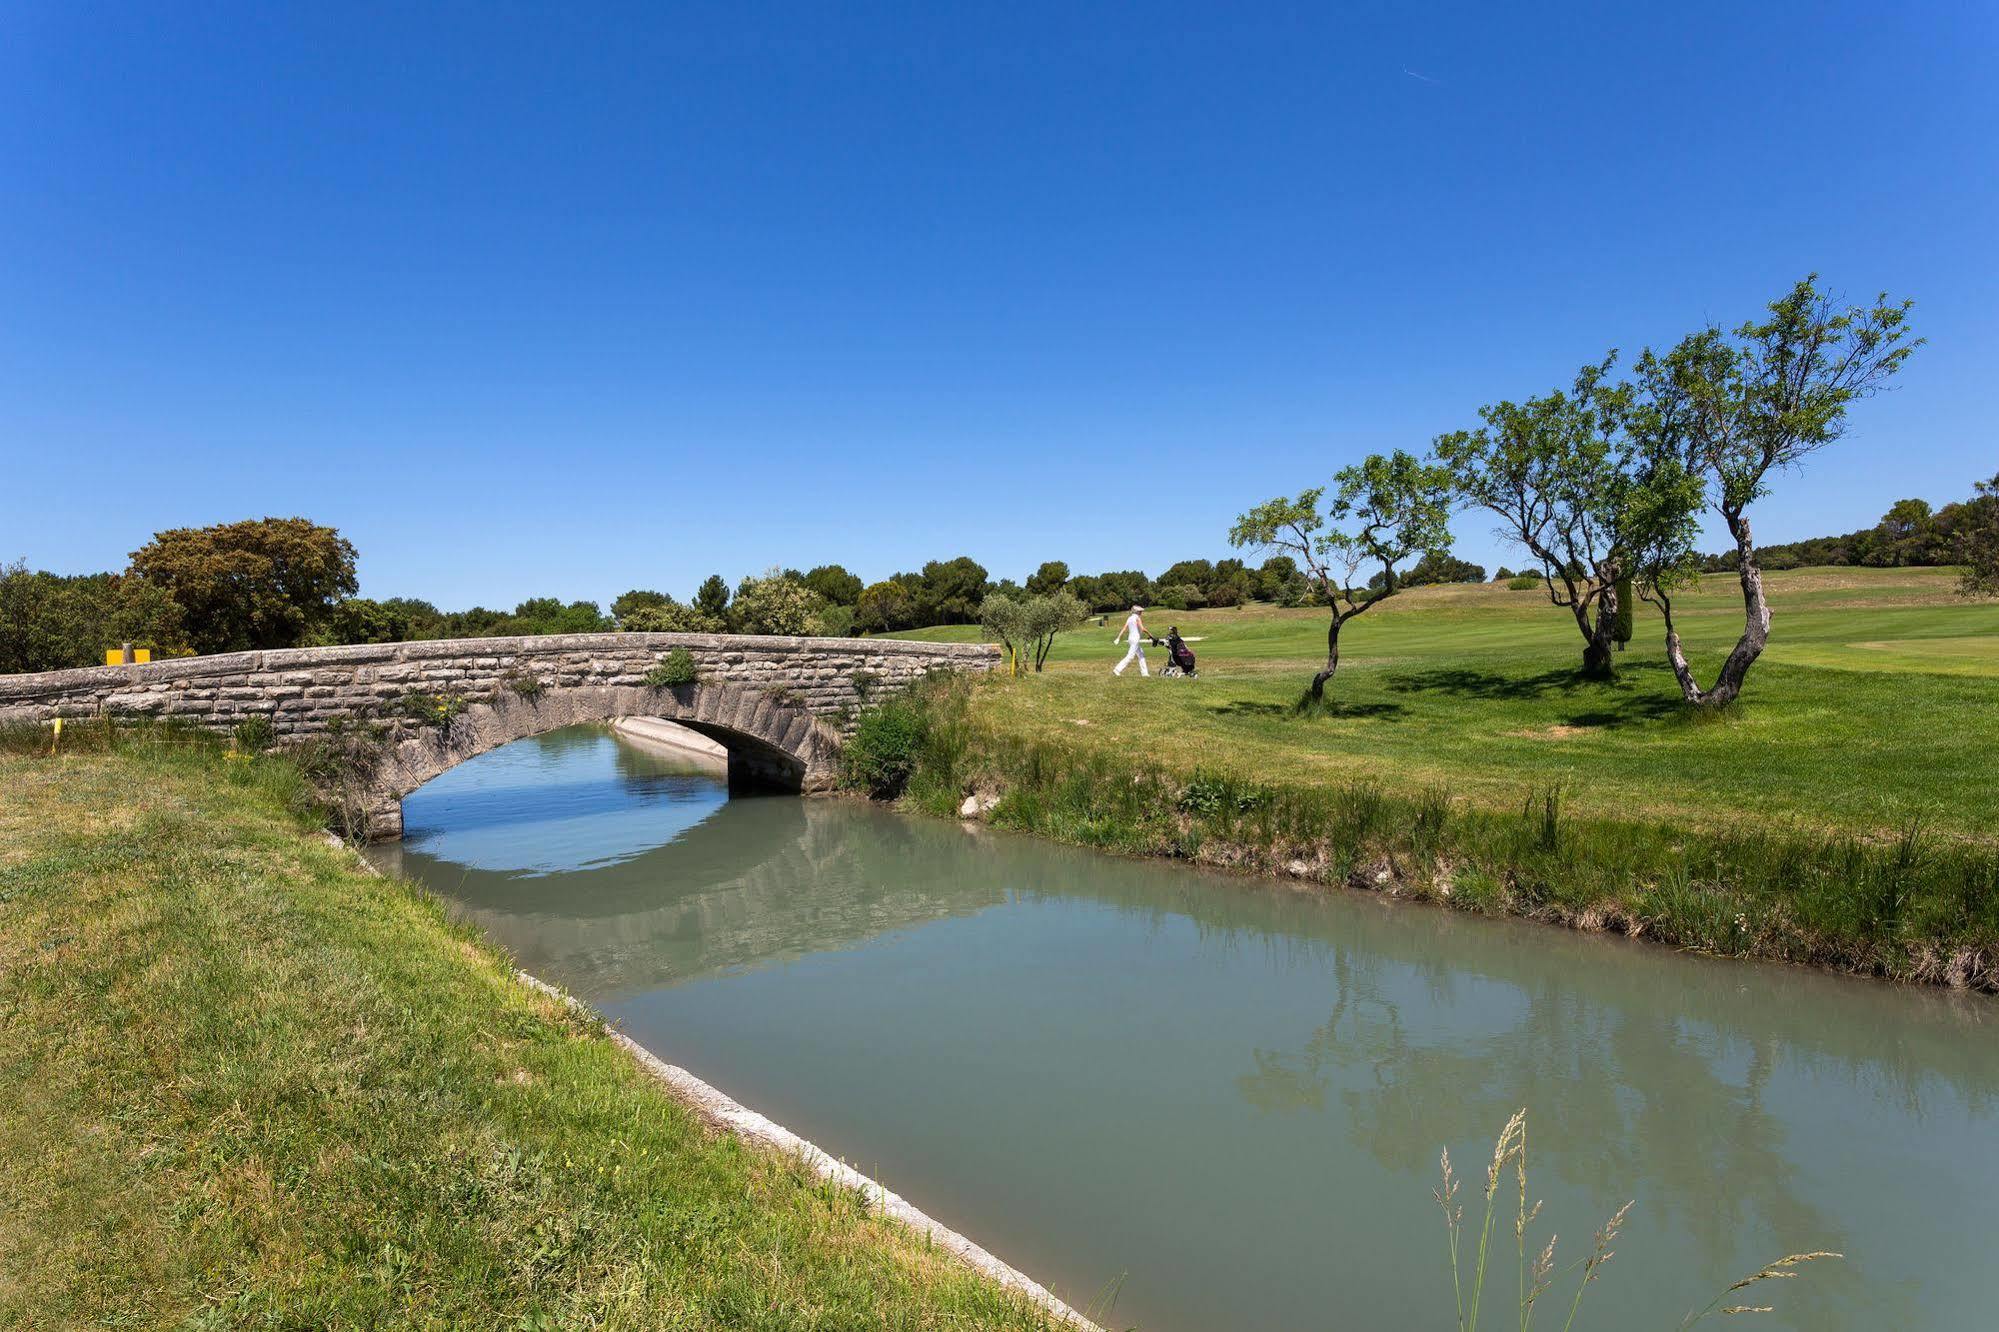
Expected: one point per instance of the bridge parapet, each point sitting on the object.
(780, 704)
(300, 691)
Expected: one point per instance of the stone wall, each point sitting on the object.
(780, 705)
(300, 690)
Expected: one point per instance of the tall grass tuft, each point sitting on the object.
(1537, 1275)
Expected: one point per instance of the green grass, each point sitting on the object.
(242, 1083)
(1877, 703)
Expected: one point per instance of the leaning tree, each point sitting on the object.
(1384, 510)
(1727, 412)
(1551, 468)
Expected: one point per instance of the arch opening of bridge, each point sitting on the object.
(772, 744)
(779, 706)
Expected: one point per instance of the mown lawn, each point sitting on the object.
(1876, 706)
(244, 1084)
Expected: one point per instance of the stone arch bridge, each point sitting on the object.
(780, 706)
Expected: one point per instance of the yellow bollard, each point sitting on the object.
(55, 734)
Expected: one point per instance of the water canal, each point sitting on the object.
(1229, 1094)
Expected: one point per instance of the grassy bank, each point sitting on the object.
(1844, 815)
(243, 1083)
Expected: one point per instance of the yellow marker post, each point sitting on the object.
(142, 655)
(55, 734)
(114, 657)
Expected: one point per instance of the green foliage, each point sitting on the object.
(1027, 626)
(833, 621)
(885, 607)
(1052, 576)
(1721, 414)
(639, 598)
(834, 585)
(1627, 610)
(50, 622)
(774, 604)
(529, 687)
(1273, 576)
(360, 620)
(1005, 619)
(1977, 542)
(1211, 796)
(1383, 510)
(267, 583)
(675, 668)
(950, 591)
(669, 618)
(1523, 582)
(712, 597)
(430, 709)
(549, 615)
(1555, 471)
(254, 734)
(882, 752)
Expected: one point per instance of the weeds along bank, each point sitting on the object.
(1914, 907)
(244, 1082)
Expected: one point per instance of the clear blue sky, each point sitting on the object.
(551, 299)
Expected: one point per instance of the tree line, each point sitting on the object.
(288, 582)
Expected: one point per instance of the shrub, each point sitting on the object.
(834, 621)
(254, 734)
(1522, 582)
(437, 710)
(669, 618)
(883, 751)
(676, 668)
(528, 687)
(775, 603)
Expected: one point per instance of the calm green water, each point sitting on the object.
(1230, 1093)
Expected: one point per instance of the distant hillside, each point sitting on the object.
(1910, 534)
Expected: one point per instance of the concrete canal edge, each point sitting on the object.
(723, 1111)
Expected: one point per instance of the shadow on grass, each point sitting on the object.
(1469, 682)
(1307, 707)
(1630, 699)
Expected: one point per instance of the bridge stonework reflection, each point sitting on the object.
(779, 705)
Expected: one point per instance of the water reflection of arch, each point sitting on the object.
(724, 894)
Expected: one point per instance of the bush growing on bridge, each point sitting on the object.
(437, 710)
(676, 668)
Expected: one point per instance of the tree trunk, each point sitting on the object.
(1755, 630)
(1332, 659)
(1600, 639)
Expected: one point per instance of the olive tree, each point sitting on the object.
(1551, 469)
(1047, 616)
(1383, 512)
(1731, 411)
(1005, 618)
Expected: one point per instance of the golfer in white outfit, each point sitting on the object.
(1134, 629)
